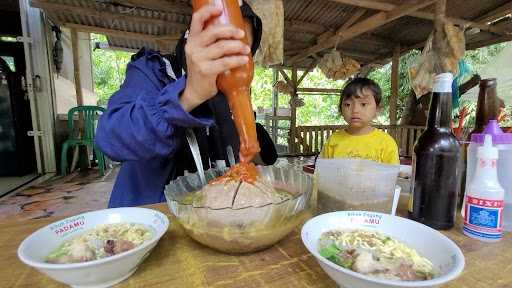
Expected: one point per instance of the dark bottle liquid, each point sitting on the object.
(436, 163)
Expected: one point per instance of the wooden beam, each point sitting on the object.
(460, 22)
(366, 25)
(319, 90)
(496, 14)
(368, 4)
(120, 34)
(351, 21)
(466, 86)
(375, 40)
(124, 49)
(305, 26)
(286, 78)
(382, 6)
(310, 68)
(393, 100)
(103, 14)
(329, 34)
(483, 43)
(160, 5)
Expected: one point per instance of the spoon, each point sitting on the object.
(194, 147)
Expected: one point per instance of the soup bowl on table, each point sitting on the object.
(119, 257)
(443, 256)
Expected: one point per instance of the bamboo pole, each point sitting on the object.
(319, 90)
(78, 89)
(293, 111)
(275, 104)
(393, 101)
(76, 67)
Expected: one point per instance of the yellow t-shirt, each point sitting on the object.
(376, 145)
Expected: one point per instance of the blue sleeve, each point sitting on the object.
(144, 119)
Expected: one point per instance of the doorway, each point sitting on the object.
(18, 163)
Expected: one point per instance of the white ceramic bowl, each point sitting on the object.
(443, 253)
(98, 273)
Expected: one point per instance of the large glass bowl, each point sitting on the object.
(245, 229)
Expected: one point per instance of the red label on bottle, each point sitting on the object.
(485, 203)
(483, 217)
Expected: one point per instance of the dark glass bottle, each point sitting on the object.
(436, 163)
(487, 106)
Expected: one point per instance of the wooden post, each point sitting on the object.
(393, 100)
(79, 98)
(293, 111)
(275, 104)
(76, 67)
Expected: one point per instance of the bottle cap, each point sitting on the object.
(487, 151)
(493, 129)
(443, 83)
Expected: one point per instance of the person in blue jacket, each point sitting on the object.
(144, 125)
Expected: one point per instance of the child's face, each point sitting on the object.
(359, 110)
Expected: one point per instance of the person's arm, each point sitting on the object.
(268, 153)
(143, 121)
(146, 120)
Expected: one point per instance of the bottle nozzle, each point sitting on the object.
(487, 151)
(487, 141)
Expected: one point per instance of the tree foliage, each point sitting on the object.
(109, 68)
(109, 71)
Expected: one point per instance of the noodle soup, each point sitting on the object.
(103, 241)
(375, 254)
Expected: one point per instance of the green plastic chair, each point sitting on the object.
(90, 116)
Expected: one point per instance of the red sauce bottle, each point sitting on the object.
(235, 83)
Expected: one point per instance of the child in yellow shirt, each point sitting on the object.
(359, 105)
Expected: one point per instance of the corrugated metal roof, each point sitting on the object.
(305, 20)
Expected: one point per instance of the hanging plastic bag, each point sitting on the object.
(446, 57)
(271, 13)
(338, 67)
(421, 71)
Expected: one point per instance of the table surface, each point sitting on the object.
(179, 261)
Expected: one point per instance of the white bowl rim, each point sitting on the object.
(50, 266)
(454, 271)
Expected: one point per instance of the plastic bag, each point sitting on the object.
(421, 71)
(271, 13)
(338, 67)
(283, 87)
(451, 50)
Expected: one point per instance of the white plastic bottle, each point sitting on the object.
(483, 218)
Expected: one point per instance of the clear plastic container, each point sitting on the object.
(503, 142)
(250, 228)
(355, 184)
